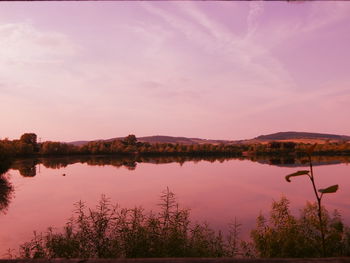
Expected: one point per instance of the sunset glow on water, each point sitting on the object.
(214, 192)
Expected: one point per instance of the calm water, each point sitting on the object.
(215, 191)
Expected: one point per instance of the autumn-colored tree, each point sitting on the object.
(130, 139)
(31, 139)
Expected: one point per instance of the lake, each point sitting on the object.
(216, 190)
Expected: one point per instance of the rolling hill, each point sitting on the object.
(162, 139)
(306, 137)
(301, 135)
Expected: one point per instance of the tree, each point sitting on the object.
(130, 139)
(30, 138)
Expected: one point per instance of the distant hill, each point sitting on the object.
(183, 140)
(301, 135)
(162, 139)
(305, 137)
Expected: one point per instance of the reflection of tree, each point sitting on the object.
(6, 188)
(27, 171)
(4, 166)
(59, 162)
(26, 167)
(293, 161)
(129, 162)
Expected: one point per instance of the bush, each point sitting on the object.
(109, 231)
(284, 235)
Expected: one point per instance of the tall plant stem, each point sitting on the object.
(319, 199)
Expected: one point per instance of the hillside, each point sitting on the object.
(291, 135)
(302, 137)
(162, 139)
(180, 140)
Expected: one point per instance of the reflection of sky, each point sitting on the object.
(226, 70)
(215, 192)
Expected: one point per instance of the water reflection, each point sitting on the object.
(27, 167)
(290, 161)
(215, 189)
(6, 188)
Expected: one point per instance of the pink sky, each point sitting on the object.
(221, 70)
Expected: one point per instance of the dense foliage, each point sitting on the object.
(299, 149)
(284, 235)
(109, 231)
(27, 145)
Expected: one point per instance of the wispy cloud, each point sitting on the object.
(253, 64)
(23, 44)
(28, 57)
(256, 8)
(319, 15)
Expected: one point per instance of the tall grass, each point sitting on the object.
(110, 231)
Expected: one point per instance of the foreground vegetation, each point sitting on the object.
(109, 231)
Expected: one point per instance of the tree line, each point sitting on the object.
(299, 149)
(27, 145)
